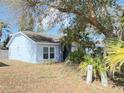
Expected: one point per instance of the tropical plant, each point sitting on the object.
(115, 57)
(4, 26)
(96, 62)
(88, 60)
(5, 30)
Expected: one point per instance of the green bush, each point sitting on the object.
(96, 62)
(75, 57)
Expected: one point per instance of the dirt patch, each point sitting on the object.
(20, 77)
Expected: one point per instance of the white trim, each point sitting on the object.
(39, 43)
(15, 34)
(28, 37)
(47, 43)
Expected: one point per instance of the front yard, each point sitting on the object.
(20, 77)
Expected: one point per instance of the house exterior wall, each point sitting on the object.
(22, 49)
(57, 51)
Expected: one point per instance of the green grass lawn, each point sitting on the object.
(20, 77)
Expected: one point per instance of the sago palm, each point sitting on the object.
(115, 58)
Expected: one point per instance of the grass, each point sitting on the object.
(20, 77)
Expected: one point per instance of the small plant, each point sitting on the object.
(88, 60)
(96, 62)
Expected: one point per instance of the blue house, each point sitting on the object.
(32, 47)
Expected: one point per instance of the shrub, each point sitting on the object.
(96, 62)
(75, 57)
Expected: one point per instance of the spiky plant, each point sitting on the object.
(115, 58)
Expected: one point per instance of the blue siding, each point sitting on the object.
(22, 49)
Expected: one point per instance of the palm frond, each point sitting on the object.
(115, 58)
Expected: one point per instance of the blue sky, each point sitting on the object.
(121, 2)
(7, 16)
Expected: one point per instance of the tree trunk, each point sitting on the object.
(122, 36)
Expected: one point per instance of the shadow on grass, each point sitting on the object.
(119, 80)
(3, 65)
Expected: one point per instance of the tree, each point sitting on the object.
(94, 12)
(122, 26)
(26, 22)
(5, 30)
(1, 26)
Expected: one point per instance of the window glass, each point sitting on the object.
(45, 49)
(48, 53)
(51, 52)
(45, 52)
(51, 49)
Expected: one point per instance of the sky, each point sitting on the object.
(121, 2)
(8, 16)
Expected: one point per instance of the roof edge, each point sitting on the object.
(17, 33)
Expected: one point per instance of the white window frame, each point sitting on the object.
(49, 52)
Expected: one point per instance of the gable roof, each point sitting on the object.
(38, 37)
(34, 37)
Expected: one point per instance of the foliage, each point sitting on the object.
(76, 36)
(4, 29)
(115, 57)
(5, 43)
(26, 22)
(94, 12)
(114, 42)
(76, 57)
(4, 25)
(97, 63)
(122, 21)
(88, 60)
(76, 33)
(1, 27)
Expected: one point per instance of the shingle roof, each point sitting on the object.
(38, 37)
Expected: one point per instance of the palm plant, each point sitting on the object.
(115, 57)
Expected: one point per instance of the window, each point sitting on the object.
(45, 52)
(51, 52)
(48, 53)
